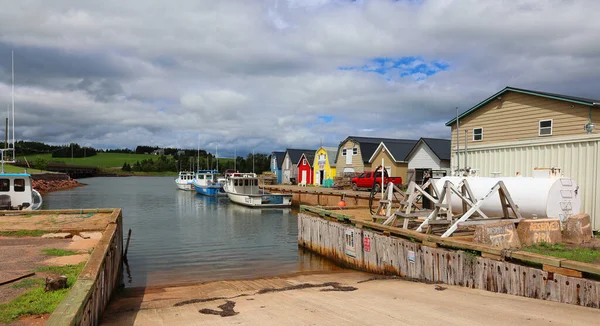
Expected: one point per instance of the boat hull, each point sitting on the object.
(264, 200)
(209, 191)
(185, 186)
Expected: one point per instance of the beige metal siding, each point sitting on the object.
(517, 116)
(398, 169)
(357, 162)
(577, 157)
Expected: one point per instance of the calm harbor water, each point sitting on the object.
(180, 237)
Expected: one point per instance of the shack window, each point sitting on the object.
(304, 162)
(355, 151)
(545, 128)
(344, 152)
(4, 185)
(477, 134)
(19, 185)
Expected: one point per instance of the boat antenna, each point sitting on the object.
(234, 160)
(13, 102)
(198, 153)
(252, 161)
(217, 156)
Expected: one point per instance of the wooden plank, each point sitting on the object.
(70, 310)
(430, 244)
(562, 271)
(579, 266)
(492, 256)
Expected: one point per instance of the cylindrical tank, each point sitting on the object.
(541, 197)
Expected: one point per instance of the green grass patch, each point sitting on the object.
(23, 233)
(58, 252)
(27, 283)
(37, 301)
(559, 250)
(17, 169)
(98, 160)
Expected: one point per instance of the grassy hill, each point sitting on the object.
(99, 160)
(103, 160)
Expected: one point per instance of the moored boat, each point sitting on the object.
(242, 188)
(184, 180)
(207, 183)
(17, 193)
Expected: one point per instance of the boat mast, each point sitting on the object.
(217, 157)
(234, 160)
(13, 102)
(198, 154)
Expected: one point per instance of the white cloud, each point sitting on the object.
(257, 74)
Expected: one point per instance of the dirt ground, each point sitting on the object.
(340, 298)
(20, 256)
(55, 222)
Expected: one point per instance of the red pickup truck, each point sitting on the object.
(366, 180)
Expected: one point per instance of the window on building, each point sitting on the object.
(304, 161)
(355, 151)
(477, 134)
(545, 128)
(19, 185)
(4, 185)
(344, 152)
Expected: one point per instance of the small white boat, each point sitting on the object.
(17, 193)
(242, 188)
(185, 180)
(16, 189)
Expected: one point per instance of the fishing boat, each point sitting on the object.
(184, 180)
(242, 188)
(207, 183)
(16, 189)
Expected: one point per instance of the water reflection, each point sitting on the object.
(183, 237)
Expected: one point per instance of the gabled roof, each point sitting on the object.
(279, 157)
(368, 145)
(310, 158)
(440, 147)
(398, 149)
(295, 154)
(566, 98)
(331, 153)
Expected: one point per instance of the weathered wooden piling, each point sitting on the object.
(371, 250)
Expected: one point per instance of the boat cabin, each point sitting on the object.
(16, 192)
(243, 183)
(208, 175)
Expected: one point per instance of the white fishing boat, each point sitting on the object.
(16, 189)
(184, 180)
(242, 188)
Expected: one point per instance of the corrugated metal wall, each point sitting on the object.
(577, 157)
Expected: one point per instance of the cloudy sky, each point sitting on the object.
(271, 74)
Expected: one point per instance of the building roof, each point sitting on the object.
(279, 156)
(440, 147)
(310, 158)
(331, 152)
(368, 145)
(566, 98)
(296, 153)
(398, 149)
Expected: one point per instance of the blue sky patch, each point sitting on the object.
(325, 118)
(399, 67)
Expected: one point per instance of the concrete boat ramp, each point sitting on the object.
(340, 298)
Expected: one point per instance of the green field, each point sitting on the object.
(98, 160)
(18, 169)
(103, 160)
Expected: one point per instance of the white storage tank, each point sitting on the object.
(540, 197)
